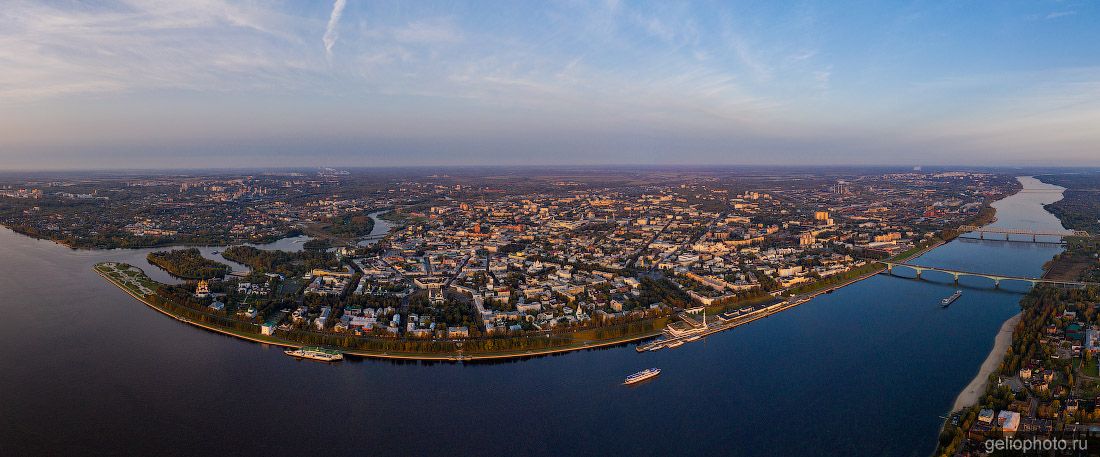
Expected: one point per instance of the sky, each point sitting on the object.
(215, 83)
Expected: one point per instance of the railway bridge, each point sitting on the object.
(1034, 234)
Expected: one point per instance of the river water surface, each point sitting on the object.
(866, 370)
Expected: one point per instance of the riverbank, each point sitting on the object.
(800, 298)
(444, 356)
(144, 243)
(819, 288)
(779, 307)
(977, 387)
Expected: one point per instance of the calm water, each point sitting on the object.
(863, 371)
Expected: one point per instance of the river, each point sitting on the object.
(867, 370)
(292, 244)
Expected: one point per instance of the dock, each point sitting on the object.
(743, 318)
(668, 340)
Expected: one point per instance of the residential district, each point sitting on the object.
(489, 260)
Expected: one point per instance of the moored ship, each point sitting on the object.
(642, 375)
(315, 353)
(949, 300)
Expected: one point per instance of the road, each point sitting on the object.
(638, 253)
(690, 242)
(458, 271)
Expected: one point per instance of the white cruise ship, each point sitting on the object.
(315, 353)
(642, 375)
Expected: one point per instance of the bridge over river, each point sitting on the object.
(995, 277)
(1032, 233)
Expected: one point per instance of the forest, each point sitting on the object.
(352, 225)
(281, 262)
(188, 264)
(1080, 207)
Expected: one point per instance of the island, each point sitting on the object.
(281, 262)
(188, 264)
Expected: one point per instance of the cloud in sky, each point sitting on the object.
(1058, 14)
(331, 33)
(166, 82)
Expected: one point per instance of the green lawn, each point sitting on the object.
(131, 278)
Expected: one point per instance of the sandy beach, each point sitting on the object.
(973, 391)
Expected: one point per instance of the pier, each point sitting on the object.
(743, 318)
(709, 329)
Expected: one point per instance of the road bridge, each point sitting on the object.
(995, 277)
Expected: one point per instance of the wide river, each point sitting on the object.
(867, 370)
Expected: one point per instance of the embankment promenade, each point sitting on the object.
(435, 356)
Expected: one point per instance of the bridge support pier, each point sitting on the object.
(956, 279)
(918, 273)
(981, 235)
(996, 283)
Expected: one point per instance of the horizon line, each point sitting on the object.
(912, 167)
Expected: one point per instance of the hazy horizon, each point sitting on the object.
(214, 83)
(472, 170)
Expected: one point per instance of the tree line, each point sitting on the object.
(188, 264)
(282, 262)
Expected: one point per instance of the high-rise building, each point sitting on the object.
(841, 188)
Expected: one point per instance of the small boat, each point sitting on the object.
(675, 344)
(655, 348)
(693, 339)
(949, 300)
(315, 353)
(642, 375)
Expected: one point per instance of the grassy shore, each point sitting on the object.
(134, 282)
